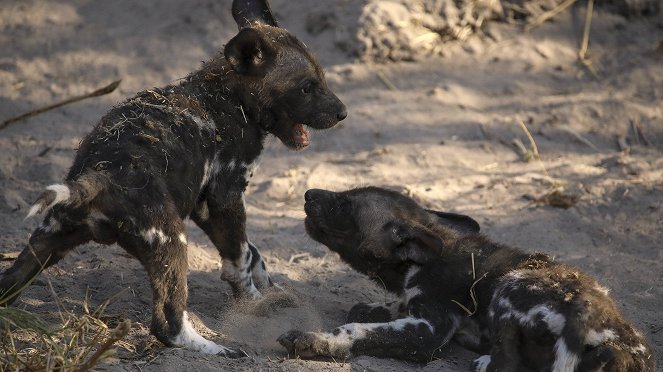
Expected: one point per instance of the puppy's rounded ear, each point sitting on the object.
(414, 243)
(248, 52)
(458, 222)
(246, 12)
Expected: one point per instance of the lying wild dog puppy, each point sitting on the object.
(529, 313)
(183, 151)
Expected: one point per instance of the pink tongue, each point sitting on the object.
(301, 134)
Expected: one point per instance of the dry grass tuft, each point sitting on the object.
(77, 344)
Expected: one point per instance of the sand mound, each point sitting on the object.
(405, 30)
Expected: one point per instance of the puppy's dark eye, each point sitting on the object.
(307, 88)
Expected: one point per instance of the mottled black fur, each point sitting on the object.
(185, 151)
(530, 313)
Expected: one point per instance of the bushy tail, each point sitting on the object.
(72, 193)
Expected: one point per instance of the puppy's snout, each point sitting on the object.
(342, 114)
(314, 194)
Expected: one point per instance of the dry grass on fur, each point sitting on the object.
(78, 343)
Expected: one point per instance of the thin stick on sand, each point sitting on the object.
(549, 14)
(385, 80)
(99, 92)
(584, 45)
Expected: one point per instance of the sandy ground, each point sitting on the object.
(443, 136)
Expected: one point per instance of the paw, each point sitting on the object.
(304, 345)
(481, 363)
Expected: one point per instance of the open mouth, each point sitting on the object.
(300, 135)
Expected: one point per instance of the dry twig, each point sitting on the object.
(548, 15)
(385, 80)
(99, 92)
(580, 138)
(117, 334)
(638, 134)
(584, 45)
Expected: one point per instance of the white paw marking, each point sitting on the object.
(189, 338)
(482, 363)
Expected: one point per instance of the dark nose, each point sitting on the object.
(342, 115)
(315, 194)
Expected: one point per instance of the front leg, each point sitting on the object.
(224, 220)
(410, 338)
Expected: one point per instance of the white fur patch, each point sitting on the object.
(207, 174)
(400, 324)
(482, 363)
(595, 338)
(62, 193)
(411, 293)
(203, 211)
(565, 360)
(640, 349)
(210, 170)
(341, 343)
(182, 238)
(555, 321)
(153, 234)
(602, 289)
(411, 272)
(192, 340)
(200, 122)
(515, 275)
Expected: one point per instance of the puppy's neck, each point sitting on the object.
(219, 88)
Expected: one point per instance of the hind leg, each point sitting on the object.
(163, 253)
(505, 354)
(597, 358)
(243, 266)
(48, 244)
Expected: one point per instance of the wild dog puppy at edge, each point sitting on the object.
(185, 151)
(529, 313)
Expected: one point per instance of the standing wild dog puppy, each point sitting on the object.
(182, 151)
(525, 311)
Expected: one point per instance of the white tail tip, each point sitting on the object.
(62, 194)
